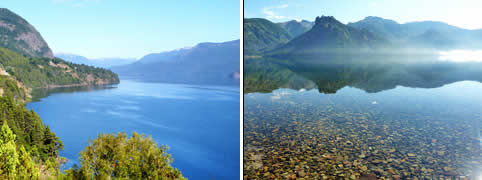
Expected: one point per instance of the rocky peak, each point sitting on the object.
(326, 20)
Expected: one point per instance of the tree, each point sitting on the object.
(26, 168)
(137, 157)
(8, 153)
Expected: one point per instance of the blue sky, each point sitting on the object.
(462, 13)
(128, 28)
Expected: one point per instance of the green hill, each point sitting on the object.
(261, 35)
(18, 35)
(44, 72)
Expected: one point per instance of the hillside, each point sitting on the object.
(296, 28)
(261, 35)
(205, 63)
(45, 72)
(330, 35)
(18, 35)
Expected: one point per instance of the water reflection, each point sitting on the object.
(362, 117)
(370, 73)
(40, 93)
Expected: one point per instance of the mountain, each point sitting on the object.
(427, 34)
(205, 63)
(261, 35)
(18, 35)
(384, 27)
(433, 38)
(296, 28)
(101, 62)
(328, 34)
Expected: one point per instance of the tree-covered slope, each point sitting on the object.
(330, 35)
(296, 28)
(261, 35)
(44, 72)
(18, 35)
(27, 147)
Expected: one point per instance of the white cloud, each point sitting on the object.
(270, 12)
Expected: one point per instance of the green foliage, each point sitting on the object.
(11, 89)
(29, 130)
(15, 161)
(27, 169)
(137, 157)
(43, 72)
(261, 35)
(8, 153)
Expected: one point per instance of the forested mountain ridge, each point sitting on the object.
(369, 35)
(330, 35)
(261, 35)
(48, 73)
(18, 35)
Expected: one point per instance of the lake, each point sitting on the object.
(200, 124)
(362, 117)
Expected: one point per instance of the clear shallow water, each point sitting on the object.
(200, 124)
(319, 119)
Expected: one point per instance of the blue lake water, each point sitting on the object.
(200, 124)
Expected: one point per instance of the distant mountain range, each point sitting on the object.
(18, 35)
(205, 63)
(101, 62)
(424, 34)
(374, 33)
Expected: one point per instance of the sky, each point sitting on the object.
(461, 13)
(128, 28)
